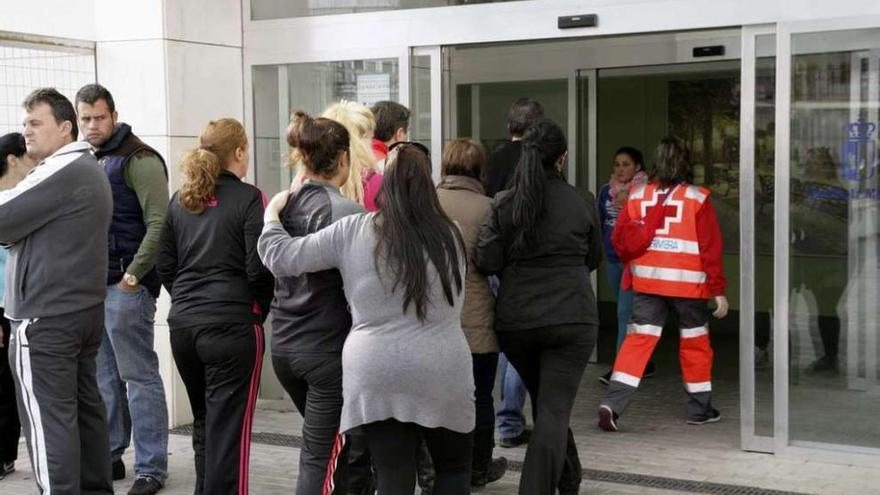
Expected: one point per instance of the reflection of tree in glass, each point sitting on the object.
(705, 113)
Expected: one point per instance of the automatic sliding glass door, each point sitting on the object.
(830, 168)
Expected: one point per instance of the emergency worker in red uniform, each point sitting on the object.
(669, 238)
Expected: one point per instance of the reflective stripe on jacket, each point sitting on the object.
(672, 265)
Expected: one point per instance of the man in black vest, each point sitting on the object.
(128, 368)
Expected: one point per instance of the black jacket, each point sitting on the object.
(500, 167)
(309, 312)
(551, 285)
(209, 262)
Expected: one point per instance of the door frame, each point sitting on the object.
(748, 63)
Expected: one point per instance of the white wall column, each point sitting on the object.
(172, 66)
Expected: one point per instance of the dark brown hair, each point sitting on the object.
(61, 107)
(523, 113)
(90, 93)
(463, 157)
(412, 230)
(672, 162)
(318, 142)
(390, 116)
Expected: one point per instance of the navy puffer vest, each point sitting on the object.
(127, 228)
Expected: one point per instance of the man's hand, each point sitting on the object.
(723, 306)
(124, 287)
(273, 209)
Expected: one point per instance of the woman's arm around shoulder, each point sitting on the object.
(287, 256)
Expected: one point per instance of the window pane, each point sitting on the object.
(311, 87)
(835, 99)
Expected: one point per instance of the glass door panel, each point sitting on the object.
(833, 310)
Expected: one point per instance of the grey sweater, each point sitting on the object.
(56, 222)
(393, 365)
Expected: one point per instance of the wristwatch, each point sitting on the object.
(130, 280)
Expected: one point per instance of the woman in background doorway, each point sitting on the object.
(629, 171)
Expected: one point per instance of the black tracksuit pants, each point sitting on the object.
(220, 365)
(62, 414)
(10, 428)
(314, 382)
(551, 362)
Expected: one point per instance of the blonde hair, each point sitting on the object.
(359, 121)
(201, 167)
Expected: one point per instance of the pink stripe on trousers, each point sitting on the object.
(247, 424)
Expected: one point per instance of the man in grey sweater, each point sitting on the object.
(55, 223)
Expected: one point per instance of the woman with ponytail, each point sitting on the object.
(542, 237)
(310, 317)
(220, 294)
(406, 366)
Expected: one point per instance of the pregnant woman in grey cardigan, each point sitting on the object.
(406, 366)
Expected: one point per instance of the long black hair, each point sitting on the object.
(411, 226)
(11, 144)
(542, 145)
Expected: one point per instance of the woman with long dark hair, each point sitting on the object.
(220, 294)
(406, 365)
(310, 317)
(542, 238)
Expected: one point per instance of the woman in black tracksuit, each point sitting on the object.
(310, 317)
(220, 293)
(543, 237)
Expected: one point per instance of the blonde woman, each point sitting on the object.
(363, 180)
(220, 294)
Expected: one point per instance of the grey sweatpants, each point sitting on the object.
(62, 416)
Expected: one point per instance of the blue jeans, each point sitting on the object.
(624, 299)
(509, 419)
(129, 381)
